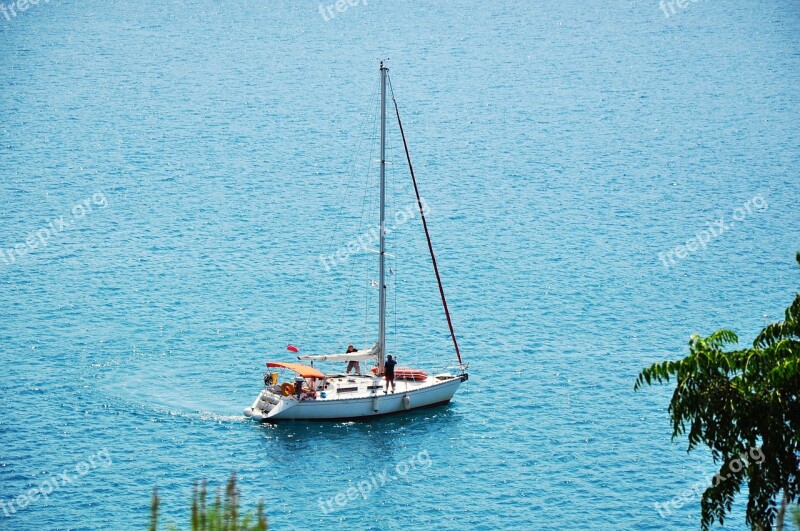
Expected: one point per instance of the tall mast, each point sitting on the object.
(382, 254)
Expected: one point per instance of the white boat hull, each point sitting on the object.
(364, 404)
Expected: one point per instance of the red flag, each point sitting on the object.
(292, 348)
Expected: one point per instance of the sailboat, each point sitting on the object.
(317, 395)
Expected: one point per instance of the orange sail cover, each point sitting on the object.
(303, 370)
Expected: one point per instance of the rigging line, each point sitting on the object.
(329, 246)
(352, 257)
(394, 196)
(340, 202)
(369, 207)
(392, 177)
(366, 316)
(394, 295)
(425, 226)
(368, 283)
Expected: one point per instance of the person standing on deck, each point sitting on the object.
(388, 372)
(353, 364)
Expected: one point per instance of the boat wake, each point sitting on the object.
(140, 392)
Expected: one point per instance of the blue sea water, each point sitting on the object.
(201, 155)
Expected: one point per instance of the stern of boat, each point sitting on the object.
(264, 404)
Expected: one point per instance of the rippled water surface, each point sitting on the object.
(201, 155)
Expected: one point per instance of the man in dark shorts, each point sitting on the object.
(388, 372)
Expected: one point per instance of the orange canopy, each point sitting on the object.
(303, 370)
